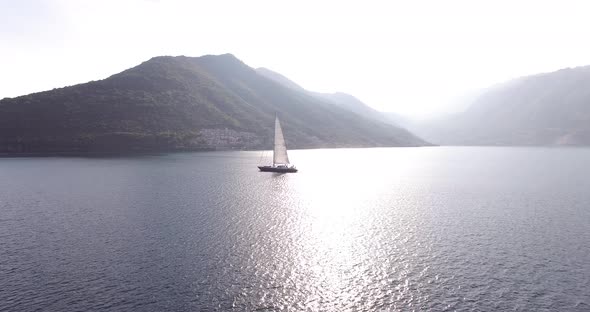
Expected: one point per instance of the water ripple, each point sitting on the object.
(204, 231)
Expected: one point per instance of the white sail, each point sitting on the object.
(280, 151)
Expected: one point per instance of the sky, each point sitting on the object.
(416, 58)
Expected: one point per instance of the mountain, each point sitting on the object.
(402, 121)
(183, 103)
(544, 109)
(354, 105)
(342, 100)
(282, 80)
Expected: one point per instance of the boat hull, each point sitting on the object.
(277, 169)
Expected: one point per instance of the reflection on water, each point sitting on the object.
(355, 229)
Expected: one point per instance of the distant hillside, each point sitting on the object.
(339, 99)
(354, 105)
(402, 121)
(544, 109)
(284, 81)
(183, 103)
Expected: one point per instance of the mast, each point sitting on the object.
(280, 156)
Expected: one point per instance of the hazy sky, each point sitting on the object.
(410, 57)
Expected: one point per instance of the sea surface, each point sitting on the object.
(384, 229)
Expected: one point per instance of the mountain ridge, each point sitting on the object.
(173, 103)
(341, 99)
(543, 109)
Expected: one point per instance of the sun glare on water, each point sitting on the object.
(337, 243)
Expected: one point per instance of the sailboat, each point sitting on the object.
(280, 159)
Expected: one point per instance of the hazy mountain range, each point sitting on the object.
(544, 109)
(541, 110)
(188, 103)
(342, 100)
(218, 102)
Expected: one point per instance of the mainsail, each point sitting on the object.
(280, 152)
(280, 160)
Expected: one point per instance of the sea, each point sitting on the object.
(378, 229)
